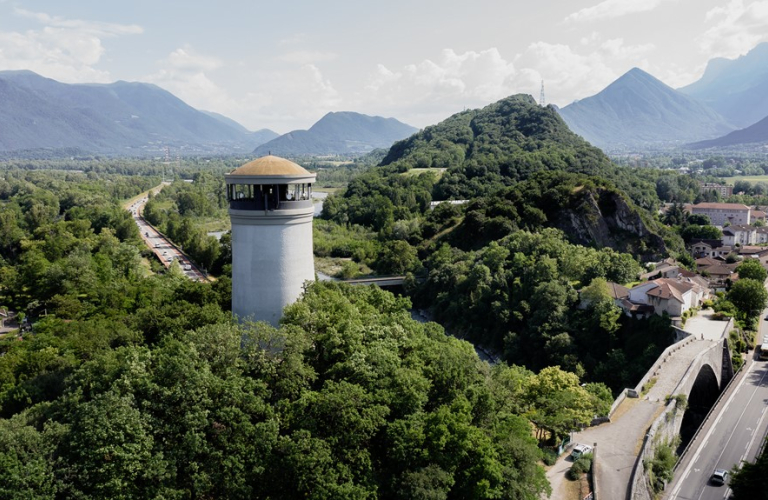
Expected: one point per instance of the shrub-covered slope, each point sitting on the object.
(477, 153)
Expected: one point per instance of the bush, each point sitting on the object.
(549, 456)
(737, 361)
(579, 467)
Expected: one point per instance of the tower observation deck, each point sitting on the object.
(270, 207)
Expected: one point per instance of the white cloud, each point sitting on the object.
(295, 39)
(615, 48)
(308, 57)
(431, 90)
(609, 9)
(427, 92)
(287, 96)
(96, 27)
(736, 28)
(284, 95)
(64, 49)
(185, 59)
(183, 73)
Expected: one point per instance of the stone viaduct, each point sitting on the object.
(701, 385)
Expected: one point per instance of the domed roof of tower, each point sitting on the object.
(270, 166)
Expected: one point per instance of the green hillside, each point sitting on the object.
(500, 144)
(544, 215)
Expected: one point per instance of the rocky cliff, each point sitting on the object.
(604, 218)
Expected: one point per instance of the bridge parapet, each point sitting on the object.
(705, 369)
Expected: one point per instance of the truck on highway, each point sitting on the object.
(762, 349)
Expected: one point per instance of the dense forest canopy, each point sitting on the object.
(134, 382)
(545, 216)
(502, 144)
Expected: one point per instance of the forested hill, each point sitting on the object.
(499, 144)
(547, 215)
(477, 153)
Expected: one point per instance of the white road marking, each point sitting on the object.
(754, 434)
(709, 433)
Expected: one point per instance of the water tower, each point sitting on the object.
(270, 206)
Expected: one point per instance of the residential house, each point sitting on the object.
(755, 252)
(720, 276)
(709, 248)
(667, 268)
(673, 296)
(721, 213)
(705, 262)
(739, 235)
(761, 235)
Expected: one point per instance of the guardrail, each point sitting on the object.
(706, 418)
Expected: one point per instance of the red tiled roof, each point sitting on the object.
(617, 291)
(751, 249)
(721, 206)
(718, 270)
(669, 289)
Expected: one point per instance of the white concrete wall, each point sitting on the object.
(638, 293)
(271, 259)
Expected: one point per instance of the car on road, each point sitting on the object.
(719, 477)
(579, 450)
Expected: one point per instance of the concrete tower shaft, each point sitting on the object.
(270, 207)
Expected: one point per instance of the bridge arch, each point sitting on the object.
(703, 394)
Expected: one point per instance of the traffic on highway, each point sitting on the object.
(734, 432)
(164, 250)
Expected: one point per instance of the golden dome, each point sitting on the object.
(271, 166)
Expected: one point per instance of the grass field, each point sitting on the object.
(329, 190)
(749, 178)
(419, 171)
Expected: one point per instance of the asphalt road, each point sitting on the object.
(733, 435)
(162, 248)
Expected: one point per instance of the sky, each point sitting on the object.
(284, 64)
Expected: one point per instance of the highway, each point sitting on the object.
(733, 432)
(163, 249)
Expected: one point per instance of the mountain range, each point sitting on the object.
(754, 134)
(735, 88)
(637, 111)
(339, 133)
(121, 117)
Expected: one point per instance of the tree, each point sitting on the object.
(398, 257)
(749, 296)
(109, 452)
(559, 404)
(750, 480)
(699, 220)
(752, 269)
(705, 232)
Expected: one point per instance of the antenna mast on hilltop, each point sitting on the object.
(542, 101)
